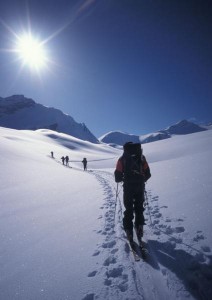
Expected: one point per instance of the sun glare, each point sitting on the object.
(31, 52)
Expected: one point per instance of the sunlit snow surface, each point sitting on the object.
(61, 228)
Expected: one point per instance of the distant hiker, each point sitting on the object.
(133, 169)
(67, 160)
(63, 159)
(84, 161)
(52, 154)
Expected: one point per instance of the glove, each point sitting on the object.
(118, 176)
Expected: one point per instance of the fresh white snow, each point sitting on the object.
(61, 228)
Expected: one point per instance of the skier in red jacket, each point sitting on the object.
(133, 169)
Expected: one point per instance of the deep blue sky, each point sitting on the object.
(131, 65)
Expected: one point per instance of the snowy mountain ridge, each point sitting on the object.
(180, 128)
(19, 112)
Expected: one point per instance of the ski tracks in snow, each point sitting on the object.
(122, 277)
(118, 275)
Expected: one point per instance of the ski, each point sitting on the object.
(144, 252)
(134, 250)
(142, 248)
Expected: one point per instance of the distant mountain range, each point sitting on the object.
(183, 127)
(19, 112)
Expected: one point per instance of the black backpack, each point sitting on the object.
(132, 161)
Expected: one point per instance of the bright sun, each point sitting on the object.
(31, 52)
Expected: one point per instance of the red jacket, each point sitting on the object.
(144, 169)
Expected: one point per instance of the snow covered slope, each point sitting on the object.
(19, 112)
(61, 228)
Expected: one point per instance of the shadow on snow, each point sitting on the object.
(191, 270)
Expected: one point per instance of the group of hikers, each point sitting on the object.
(133, 170)
(65, 161)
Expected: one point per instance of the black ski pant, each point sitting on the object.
(133, 203)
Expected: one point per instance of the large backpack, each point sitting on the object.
(132, 161)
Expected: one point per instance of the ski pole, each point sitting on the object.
(117, 187)
(146, 199)
(120, 206)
